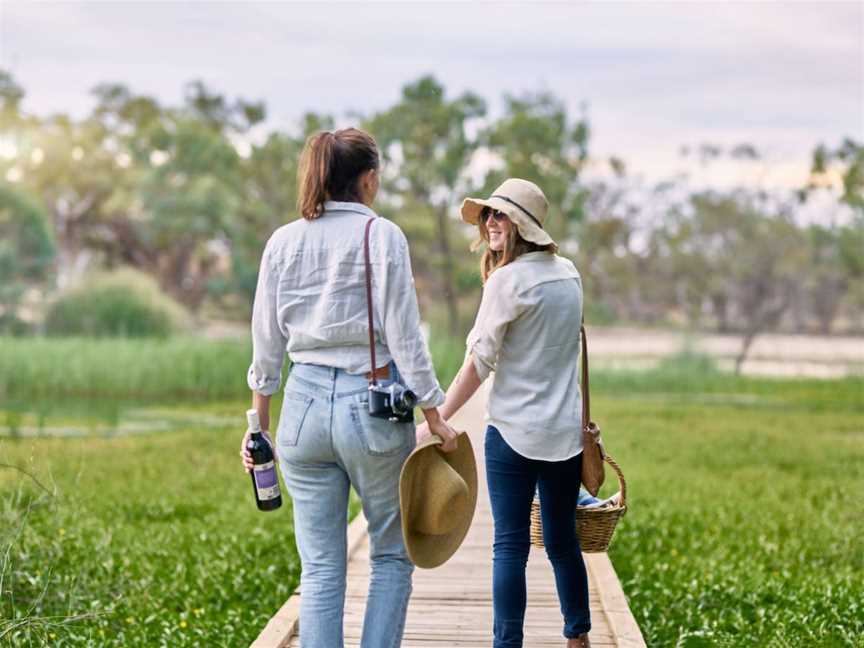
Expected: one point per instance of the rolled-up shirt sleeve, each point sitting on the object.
(396, 305)
(499, 306)
(268, 341)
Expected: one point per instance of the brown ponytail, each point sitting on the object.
(330, 166)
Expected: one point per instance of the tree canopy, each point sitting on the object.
(189, 193)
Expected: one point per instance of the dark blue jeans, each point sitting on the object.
(512, 481)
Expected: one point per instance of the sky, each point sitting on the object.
(653, 76)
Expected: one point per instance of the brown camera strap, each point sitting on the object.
(374, 379)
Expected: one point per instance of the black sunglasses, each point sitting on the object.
(499, 216)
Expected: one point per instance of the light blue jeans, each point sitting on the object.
(326, 443)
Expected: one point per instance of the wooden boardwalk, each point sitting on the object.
(452, 606)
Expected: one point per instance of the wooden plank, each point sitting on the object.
(451, 606)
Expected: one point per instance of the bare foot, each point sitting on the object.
(581, 641)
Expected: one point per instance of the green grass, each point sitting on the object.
(144, 369)
(744, 529)
(42, 370)
(151, 540)
(745, 525)
(108, 368)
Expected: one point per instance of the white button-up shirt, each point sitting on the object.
(311, 301)
(527, 332)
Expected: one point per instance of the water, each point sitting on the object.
(81, 417)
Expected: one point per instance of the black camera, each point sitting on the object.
(393, 402)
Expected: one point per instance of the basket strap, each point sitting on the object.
(586, 391)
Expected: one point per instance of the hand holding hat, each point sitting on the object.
(437, 498)
(447, 435)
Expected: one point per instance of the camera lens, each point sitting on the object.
(402, 400)
(410, 399)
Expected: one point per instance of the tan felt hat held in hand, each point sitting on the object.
(437, 497)
(522, 201)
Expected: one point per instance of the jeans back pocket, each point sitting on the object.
(379, 437)
(295, 406)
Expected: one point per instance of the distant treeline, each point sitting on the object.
(189, 193)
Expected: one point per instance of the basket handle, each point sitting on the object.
(622, 483)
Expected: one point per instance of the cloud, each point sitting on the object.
(656, 75)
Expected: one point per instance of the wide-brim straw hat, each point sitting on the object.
(522, 201)
(437, 498)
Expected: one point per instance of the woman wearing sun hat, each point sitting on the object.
(527, 331)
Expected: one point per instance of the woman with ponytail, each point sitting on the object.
(311, 304)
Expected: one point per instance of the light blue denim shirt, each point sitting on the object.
(311, 301)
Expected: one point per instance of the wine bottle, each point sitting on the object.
(265, 483)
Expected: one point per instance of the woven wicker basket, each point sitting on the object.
(594, 526)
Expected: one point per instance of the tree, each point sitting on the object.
(140, 184)
(78, 175)
(11, 95)
(535, 140)
(39, 158)
(26, 251)
(215, 111)
(614, 268)
(425, 136)
(188, 193)
(269, 177)
(752, 253)
(839, 171)
(827, 273)
(846, 161)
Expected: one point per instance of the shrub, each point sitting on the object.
(121, 303)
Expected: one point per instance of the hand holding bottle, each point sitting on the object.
(248, 463)
(258, 459)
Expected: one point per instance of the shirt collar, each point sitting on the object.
(540, 255)
(360, 208)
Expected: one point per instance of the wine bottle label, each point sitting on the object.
(266, 482)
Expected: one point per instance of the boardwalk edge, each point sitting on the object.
(624, 628)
